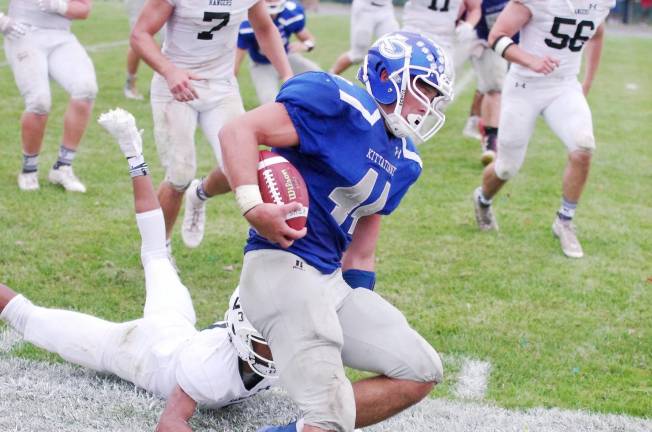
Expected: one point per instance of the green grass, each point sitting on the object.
(558, 332)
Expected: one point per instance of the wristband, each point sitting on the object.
(248, 197)
(309, 44)
(360, 278)
(501, 44)
(62, 7)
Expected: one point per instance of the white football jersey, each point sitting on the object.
(207, 370)
(559, 29)
(201, 35)
(434, 18)
(27, 11)
(376, 3)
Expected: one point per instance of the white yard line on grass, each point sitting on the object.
(472, 380)
(8, 338)
(43, 396)
(91, 48)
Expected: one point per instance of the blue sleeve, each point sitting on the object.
(297, 17)
(312, 100)
(246, 36)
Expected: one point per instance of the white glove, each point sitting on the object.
(10, 28)
(465, 32)
(55, 6)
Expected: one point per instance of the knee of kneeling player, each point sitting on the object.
(85, 90)
(356, 58)
(505, 170)
(424, 367)
(583, 142)
(39, 105)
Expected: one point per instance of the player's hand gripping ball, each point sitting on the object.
(281, 183)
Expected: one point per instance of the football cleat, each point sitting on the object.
(472, 128)
(65, 176)
(28, 181)
(132, 93)
(122, 126)
(484, 215)
(194, 217)
(564, 230)
(290, 427)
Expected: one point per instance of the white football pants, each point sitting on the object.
(316, 324)
(175, 124)
(368, 23)
(45, 53)
(561, 103)
(266, 78)
(142, 351)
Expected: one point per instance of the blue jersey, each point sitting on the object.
(290, 20)
(351, 164)
(490, 11)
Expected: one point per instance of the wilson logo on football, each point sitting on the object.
(281, 183)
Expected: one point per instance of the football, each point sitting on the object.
(281, 183)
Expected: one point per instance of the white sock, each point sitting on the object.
(151, 225)
(17, 312)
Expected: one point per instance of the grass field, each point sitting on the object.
(574, 334)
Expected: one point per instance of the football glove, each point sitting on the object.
(54, 6)
(465, 32)
(10, 28)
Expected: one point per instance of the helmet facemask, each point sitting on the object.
(247, 341)
(395, 68)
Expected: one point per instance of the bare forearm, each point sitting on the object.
(178, 410)
(361, 253)
(78, 10)
(593, 53)
(240, 155)
(272, 45)
(473, 16)
(144, 44)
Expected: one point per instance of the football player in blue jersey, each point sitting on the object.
(290, 19)
(354, 148)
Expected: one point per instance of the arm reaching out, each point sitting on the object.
(178, 410)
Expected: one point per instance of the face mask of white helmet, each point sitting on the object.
(245, 338)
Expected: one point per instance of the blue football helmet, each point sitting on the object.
(394, 65)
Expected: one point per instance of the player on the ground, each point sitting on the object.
(543, 81)
(194, 84)
(370, 19)
(490, 70)
(161, 352)
(438, 19)
(290, 19)
(39, 45)
(353, 148)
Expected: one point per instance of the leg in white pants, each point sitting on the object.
(294, 308)
(265, 79)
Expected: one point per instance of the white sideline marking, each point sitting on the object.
(43, 396)
(631, 86)
(91, 48)
(472, 380)
(8, 338)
